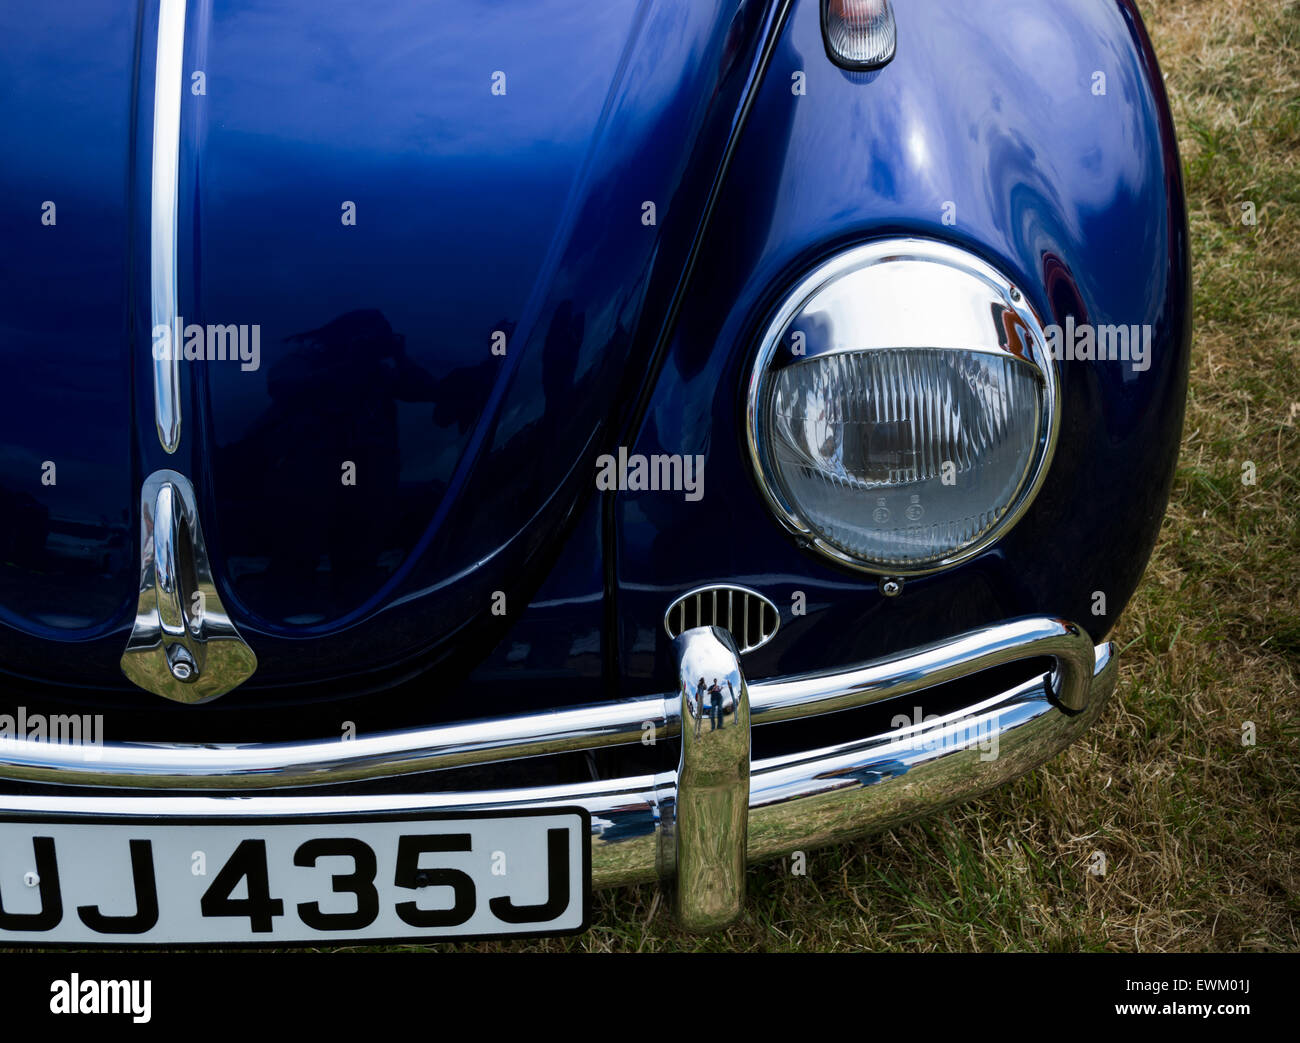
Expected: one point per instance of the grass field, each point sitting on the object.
(1198, 830)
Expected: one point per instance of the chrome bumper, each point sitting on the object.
(698, 823)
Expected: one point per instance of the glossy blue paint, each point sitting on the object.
(523, 212)
(477, 211)
(66, 411)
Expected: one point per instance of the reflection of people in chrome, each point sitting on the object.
(699, 707)
(715, 698)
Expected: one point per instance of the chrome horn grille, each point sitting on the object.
(751, 618)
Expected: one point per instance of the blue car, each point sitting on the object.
(456, 456)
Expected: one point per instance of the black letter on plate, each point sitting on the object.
(360, 882)
(47, 868)
(248, 862)
(557, 871)
(146, 898)
(409, 874)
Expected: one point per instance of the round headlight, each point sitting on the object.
(903, 408)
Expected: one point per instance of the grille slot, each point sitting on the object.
(751, 618)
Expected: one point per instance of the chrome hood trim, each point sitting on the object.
(163, 220)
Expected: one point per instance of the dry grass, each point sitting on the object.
(1198, 830)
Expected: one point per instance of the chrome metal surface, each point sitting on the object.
(163, 220)
(183, 645)
(903, 293)
(751, 618)
(270, 765)
(706, 828)
(819, 797)
(917, 669)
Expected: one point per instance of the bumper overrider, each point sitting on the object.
(697, 825)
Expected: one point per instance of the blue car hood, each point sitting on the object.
(450, 234)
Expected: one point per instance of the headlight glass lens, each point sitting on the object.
(917, 426)
(902, 457)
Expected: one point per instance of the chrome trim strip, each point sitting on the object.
(903, 326)
(256, 766)
(183, 645)
(823, 796)
(269, 765)
(933, 664)
(163, 216)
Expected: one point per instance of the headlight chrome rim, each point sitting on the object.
(1001, 290)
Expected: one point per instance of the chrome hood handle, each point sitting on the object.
(183, 645)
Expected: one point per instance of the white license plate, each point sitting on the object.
(320, 879)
